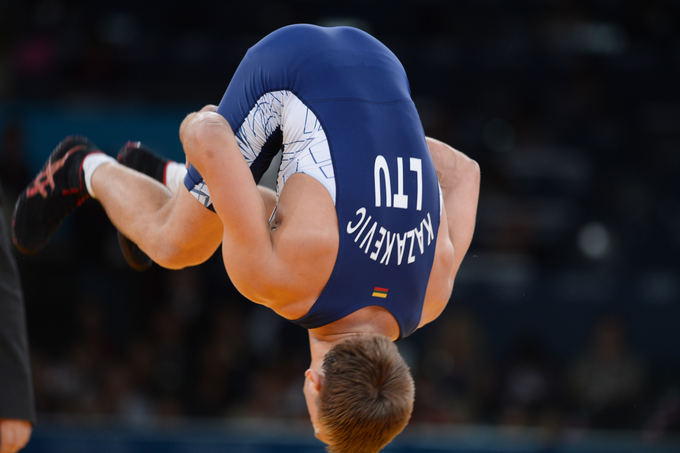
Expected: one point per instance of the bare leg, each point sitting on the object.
(173, 229)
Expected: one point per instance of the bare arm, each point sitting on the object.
(254, 262)
(459, 178)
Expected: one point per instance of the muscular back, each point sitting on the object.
(343, 116)
(305, 234)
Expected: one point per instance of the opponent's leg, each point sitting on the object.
(171, 174)
(56, 191)
(173, 229)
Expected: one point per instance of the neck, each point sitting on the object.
(320, 344)
(368, 320)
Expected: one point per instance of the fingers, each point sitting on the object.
(14, 435)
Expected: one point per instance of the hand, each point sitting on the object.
(14, 435)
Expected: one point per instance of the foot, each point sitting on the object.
(138, 157)
(57, 190)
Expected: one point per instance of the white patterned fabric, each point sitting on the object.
(304, 148)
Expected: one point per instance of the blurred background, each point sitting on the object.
(562, 333)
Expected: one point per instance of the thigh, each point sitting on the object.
(195, 230)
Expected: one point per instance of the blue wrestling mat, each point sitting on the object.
(260, 438)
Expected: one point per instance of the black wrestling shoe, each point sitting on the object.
(138, 157)
(57, 190)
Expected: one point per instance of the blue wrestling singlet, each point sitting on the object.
(337, 103)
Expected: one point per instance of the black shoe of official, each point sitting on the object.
(57, 190)
(138, 157)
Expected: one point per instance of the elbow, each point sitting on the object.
(254, 288)
(253, 281)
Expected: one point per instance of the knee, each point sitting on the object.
(187, 234)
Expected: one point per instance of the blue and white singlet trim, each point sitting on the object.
(303, 142)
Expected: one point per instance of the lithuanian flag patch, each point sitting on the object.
(380, 292)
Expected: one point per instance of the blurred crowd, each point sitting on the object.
(564, 313)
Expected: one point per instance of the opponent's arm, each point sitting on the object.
(250, 257)
(459, 178)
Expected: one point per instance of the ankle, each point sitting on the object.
(174, 175)
(90, 164)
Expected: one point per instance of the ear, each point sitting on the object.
(315, 378)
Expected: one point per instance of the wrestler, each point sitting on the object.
(359, 244)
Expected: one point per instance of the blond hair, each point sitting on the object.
(367, 394)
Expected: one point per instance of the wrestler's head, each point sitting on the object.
(364, 397)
